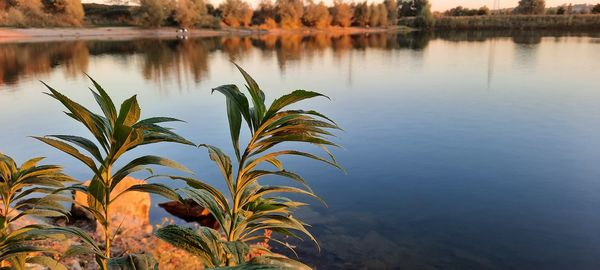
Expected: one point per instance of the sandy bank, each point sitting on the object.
(123, 33)
(101, 33)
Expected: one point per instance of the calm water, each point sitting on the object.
(463, 150)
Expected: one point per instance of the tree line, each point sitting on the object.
(526, 7)
(289, 14)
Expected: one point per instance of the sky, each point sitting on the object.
(436, 5)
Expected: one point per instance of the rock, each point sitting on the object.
(131, 211)
(191, 212)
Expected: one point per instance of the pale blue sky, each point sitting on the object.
(440, 5)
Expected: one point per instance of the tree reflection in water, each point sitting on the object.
(186, 61)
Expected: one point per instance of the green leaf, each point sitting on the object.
(235, 123)
(83, 143)
(90, 120)
(271, 262)
(208, 201)
(155, 120)
(201, 185)
(223, 162)
(30, 163)
(235, 96)
(237, 251)
(48, 262)
(129, 113)
(141, 163)
(133, 262)
(289, 99)
(70, 150)
(258, 97)
(105, 102)
(157, 189)
(204, 244)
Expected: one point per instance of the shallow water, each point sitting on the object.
(464, 150)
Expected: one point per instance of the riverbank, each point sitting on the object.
(503, 22)
(123, 33)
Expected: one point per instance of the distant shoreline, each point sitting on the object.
(124, 33)
(517, 22)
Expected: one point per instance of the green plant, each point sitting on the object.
(20, 188)
(116, 133)
(252, 207)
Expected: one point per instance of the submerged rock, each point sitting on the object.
(191, 212)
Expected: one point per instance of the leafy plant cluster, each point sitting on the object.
(244, 212)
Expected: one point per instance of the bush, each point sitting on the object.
(342, 13)
(236, 13)
(289, 13)
(530, 7)
(153, 13)
(15, 17)
(317, 15)
(190, 13)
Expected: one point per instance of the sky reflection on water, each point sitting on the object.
(466, 150)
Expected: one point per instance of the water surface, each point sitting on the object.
(463, 150)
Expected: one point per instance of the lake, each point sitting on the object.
(463, 150)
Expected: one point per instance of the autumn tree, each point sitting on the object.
(189, 13)
(69, 11)
(361, 14)
(236, 13)
(342, 13)
(392, 10)
(265, 12)
(484, 11)
(289, 13)
(531, 7)
(316, 15)
(152, 13)
(377, 15)
(6, 4)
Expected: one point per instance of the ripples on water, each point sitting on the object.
(464, 150)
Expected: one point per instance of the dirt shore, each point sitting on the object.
(123, 33)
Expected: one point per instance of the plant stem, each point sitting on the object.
(107, 232)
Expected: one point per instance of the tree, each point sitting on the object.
(421, 9)
(342, 13)
(408, 8)
(561, 10)
(392, 11)
(596, 9)
(189, 13)
(531, 7)
(71, 11)
(483, 11)
(316, 15)
(373, 15)
(361, 14)
(377, 15)
(236, 13)
(423, 12)
(266, 10)
(152, 13)
(289, 13)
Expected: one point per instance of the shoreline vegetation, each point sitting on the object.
(504, 22)
(45, 20)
